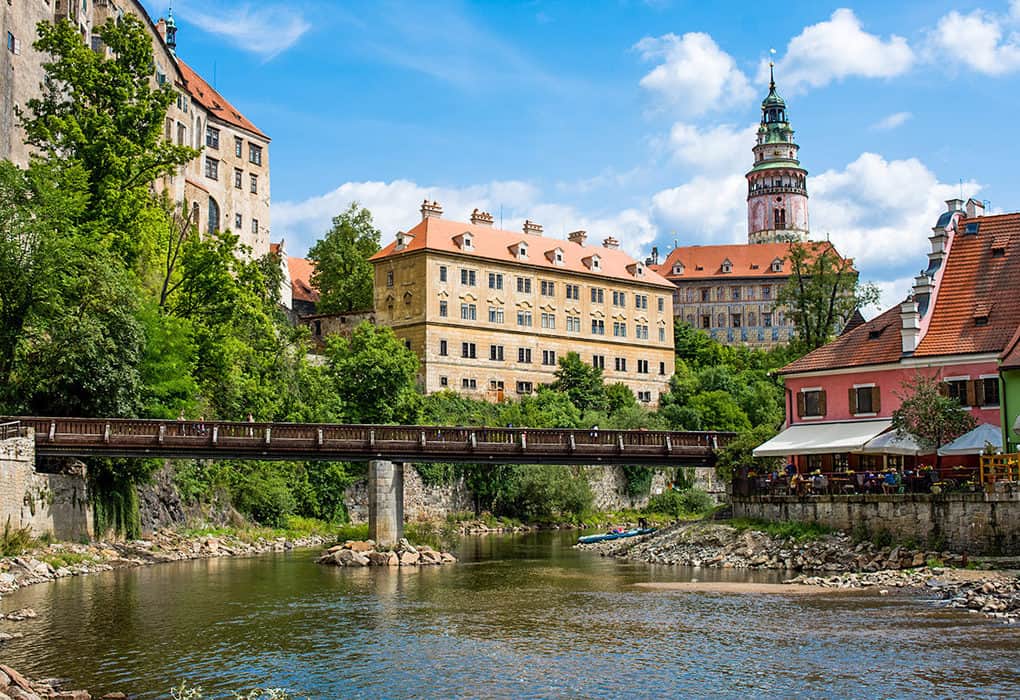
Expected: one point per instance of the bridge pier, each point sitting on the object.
(385, 502)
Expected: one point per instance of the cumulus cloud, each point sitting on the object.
(266, 29)
(839, 48)
(892, 121)
(983, 41)
(693, 72)
(720, 149)
(703, 210)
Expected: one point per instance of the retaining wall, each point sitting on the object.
(977, 523)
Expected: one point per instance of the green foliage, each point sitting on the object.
(639, 479)
(799, 531)
(681, 504)
(619, 397)
(437, 473)
(114, 495)
(928, 416)
(342, 274)
(15, 540)
(739, 452)
(263, 494)
(542, 491)
(581, 382)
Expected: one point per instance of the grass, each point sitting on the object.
(68, 559)
(798, 531)
(15, 540)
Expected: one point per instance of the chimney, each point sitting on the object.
(430, 210)
(161, 28)
(481, 218)
(954, 204)
(910, 329)
(655, 255)
(975, 208)
(532, 228)
(578, 237)
(610, 243)
(923, 289)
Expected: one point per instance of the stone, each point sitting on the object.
(447, 558)
(405, 546)
(116, 695)
(335, 548)
(379, 558)
(16, 693)
(73, 695)
(430, 557)
(22, 614)
(16, 679)
(918, 560)
(392, 559)
(359, 546)
(359, 560)
(409, 558)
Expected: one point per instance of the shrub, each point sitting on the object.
(792, 529)
(263, 495)
(639, 479)
(545, 491)
(680, 504)
(15, 540)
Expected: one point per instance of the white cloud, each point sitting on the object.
(838, 48)
(982, 41)
(694, 73)
(720, 149)
(703, 210)
(395, 206)
(265, 30)
(892, 121)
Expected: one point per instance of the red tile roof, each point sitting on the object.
(977, 283)
(301, 279)
(1010, 357)
(439, 234)
(874, 342)
(746, 260)
(213, 101)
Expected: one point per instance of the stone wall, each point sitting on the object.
(45, 503)
(978, 523)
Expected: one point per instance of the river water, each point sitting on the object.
(523, 616)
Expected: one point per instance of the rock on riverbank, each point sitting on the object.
(14, 686)
(364, 553)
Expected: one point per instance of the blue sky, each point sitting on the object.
(622, 117)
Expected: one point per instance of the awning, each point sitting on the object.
(889, 443)
(973, 443)
(822, 438)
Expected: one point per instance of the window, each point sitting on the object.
(254, 154)
(548, 320)
(574, 292)
(598, 326)
(495, 280)
(598, 295)
(644, 396)
(642, 366)
(548, 288)
(468, 350)
(468, 312)
(641, 301)
(548, 357)
(444, 309)
(496, 353)
(254, 184)
(620, 364)
(212, 168)
(238, 222)
(706, 321)
(619, 298)
(662, 334)
(466, 383)
(443, 381)
(641, 332)
(212, 137)
(443, 349)
(811, 403)
(182, 134)
(442, 273)
(495, 314)
(662, 304)
(735, 318)
(957, 389)
(662, 369)
(706, 294)
(524, 356)
(389, 280)
(468, 277)
(766, 292)
(238, 176)
(13, 44)
(766, 319)
(988, 391)
(598, 361)
(524, 318)
(864, 399)
(619, 329)
(524, 387)
(255, 226)
(720, 294)
(735, 291)
(721, 320)
(238, 147)
(524, 285)
(214, 215)
(573, 324)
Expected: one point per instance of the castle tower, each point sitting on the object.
(777, 201)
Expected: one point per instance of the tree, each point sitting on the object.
(619, 397)
(927, 415)
(374, 374)
(822, 293)
(104, 114)
(342, 273)
(739, 452)
(581, 382)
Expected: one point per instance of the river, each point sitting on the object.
(522, 616)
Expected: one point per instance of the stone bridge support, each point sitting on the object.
(385, 502)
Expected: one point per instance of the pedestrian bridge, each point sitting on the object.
(176, 439)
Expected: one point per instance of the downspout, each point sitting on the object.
(1004, 412)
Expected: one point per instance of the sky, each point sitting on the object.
(626, 117)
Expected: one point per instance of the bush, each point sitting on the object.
(15, 540)
(546, 491)
(263, 495)
(680, 504)
(639, 479)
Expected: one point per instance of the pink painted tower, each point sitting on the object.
(777, 200)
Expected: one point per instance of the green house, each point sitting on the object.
(1009, 390)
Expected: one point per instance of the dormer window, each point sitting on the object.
(777, 265)
(465, 241)
(637, 269)
(981, 313)
(592, 262)
(727, 266)
(555, 256)
(678, 269)
(519, 250)
(403, 240)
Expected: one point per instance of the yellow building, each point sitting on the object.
(490, 312)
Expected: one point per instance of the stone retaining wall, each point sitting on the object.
(45, 503)
(977, 523)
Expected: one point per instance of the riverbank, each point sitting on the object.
(15, 686)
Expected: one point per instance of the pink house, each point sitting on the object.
(964, 308)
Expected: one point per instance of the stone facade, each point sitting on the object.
(57, 504)
(977, 523)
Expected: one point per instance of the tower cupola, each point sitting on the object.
(171, 31)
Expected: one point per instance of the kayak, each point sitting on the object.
(605, 537)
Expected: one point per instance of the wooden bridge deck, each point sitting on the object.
(170, 439)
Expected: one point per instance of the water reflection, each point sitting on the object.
(520, 616)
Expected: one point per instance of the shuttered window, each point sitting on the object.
(811, 404)
(864, 400)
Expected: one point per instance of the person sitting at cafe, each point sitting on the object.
(790, 469)
(891, 482)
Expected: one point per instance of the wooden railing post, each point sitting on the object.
(53, 430)
(162, 433)
(269, 433)
(106, 433)
(215, 434)
(318, 437)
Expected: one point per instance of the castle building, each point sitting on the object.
(491, 312)
(729, 291)
(226, 186)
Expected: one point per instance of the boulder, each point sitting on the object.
(379, 558)
(359, 559)
(430, 557)
(447, 558)
(359, 546)
(335, 548)
(409, 558)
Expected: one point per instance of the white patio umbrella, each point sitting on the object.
(973, 443)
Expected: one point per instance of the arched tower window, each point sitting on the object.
(779, 213)
(214, 215)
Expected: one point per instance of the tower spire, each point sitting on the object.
(772, 74)
(171, 30)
